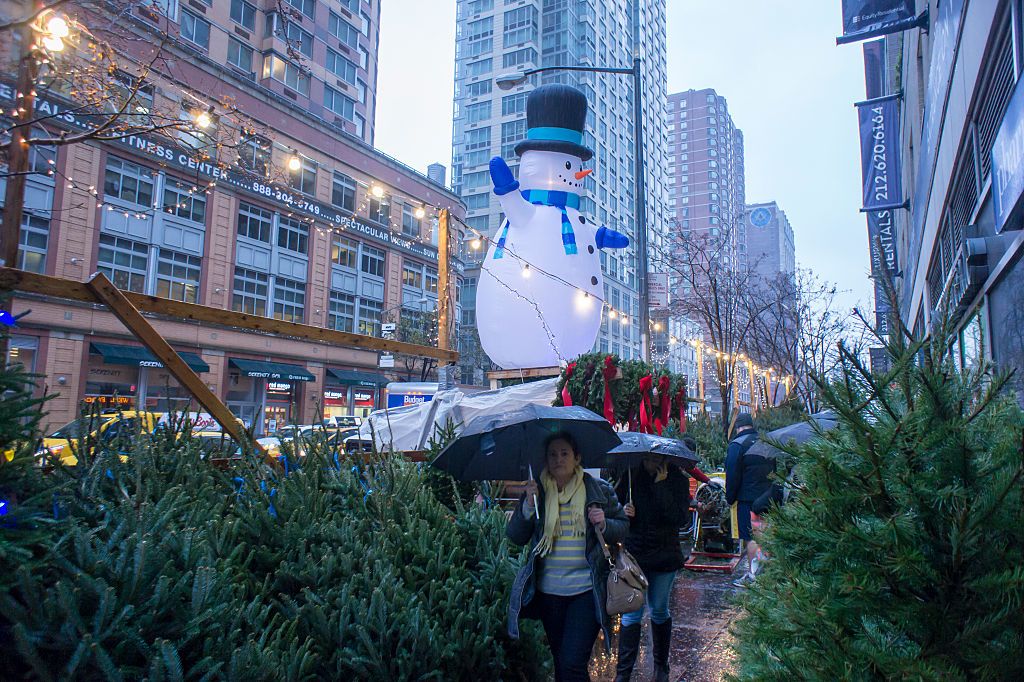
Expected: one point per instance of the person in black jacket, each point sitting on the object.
(656, 509)
(747, 477)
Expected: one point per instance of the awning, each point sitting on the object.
(137, 356)
(356, 378)
(260, 369)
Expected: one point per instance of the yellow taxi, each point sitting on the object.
(100, 428)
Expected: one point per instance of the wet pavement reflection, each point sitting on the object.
(702, 608)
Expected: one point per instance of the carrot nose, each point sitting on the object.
(584, 173)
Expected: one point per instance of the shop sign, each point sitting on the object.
(863, 19)
(334, 395)
(180, 159)
(1008, 161)
(881, 166)
(657, 290)
(108, 400)
(275, 387)
(386, 361)
(276, 375)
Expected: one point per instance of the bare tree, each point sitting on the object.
(419, 327)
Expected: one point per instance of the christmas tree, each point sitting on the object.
(901, 555)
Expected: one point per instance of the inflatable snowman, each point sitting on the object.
(540, 294)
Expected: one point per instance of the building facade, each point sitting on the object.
(766, 241)
(495, 38)
(959, 244)
(305, 223)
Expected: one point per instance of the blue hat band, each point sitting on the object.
(555, 135)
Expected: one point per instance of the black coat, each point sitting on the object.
(661, 509)
(747, 476)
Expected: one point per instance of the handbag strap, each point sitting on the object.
(604, 547)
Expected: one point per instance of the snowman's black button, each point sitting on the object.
(583, 220)
(593, 280)
(590, 249)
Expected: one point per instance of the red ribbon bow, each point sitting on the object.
(664, 404)
(645, 404)
(609, 372)
(566, 396)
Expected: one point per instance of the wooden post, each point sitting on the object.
(17, 155)
(754, 400)
(110, 295)
(444, 283)
(700, 376)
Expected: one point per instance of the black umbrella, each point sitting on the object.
(510, 446)
(795, 434)
(636, 445)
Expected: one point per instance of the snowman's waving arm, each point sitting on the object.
(517, 209)
(610, 239)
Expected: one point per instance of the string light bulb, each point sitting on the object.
(203, 120)
(57, 27)
(419, 213)
(52, 44)
(475, 244)
(294, 162)
(377, 191)
(526, 271)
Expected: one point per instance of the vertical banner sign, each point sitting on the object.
(1008, 161)
(657, 291)
(883, 310)
(874, 68)
(880, 153)
(863, 19)
(882, 241)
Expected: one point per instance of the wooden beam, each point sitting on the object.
(496, 377)
(30, 282)
(105, 292)
(444, 281)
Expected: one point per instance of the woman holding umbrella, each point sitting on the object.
(656, 494)
(563, 580)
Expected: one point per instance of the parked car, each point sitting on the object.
(99, 429)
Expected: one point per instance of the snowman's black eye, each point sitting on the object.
(568, 165)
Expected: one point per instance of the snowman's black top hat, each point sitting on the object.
(555, 115)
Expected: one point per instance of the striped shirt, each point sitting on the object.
(565, 571)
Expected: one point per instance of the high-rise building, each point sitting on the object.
(495, 38)
(304, 222)
(767, 246)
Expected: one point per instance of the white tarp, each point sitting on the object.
(409, 428)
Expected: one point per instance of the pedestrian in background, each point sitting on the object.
(657, 506)
(563, 582)
(747, 477)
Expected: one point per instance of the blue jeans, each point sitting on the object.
(571, 626)
(658, 591)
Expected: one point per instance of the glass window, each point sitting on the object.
(304, 179)
(373, 261)
(478, 112)
(478, 6)
(195, 30)
(342, 312)
(479, 138)
(344, 251)
(289, 31)
(240, 55)
(513, 104)
(476, 179)
(289, 299)
(285, 72)
(412, 276)
(410, 223)
(35, 235)
(479, 68)
(183, 200)
(478, 201)
(243, 14)
(254, 222)
(478, 89)
(512, 132)
(307, 7)
(124, 262)
(177, 276)
(343, 31)
(369, 317)
(380, 210)
(128, 181)
(254, 154)
(340, 104)
(518, 57)
(250, 292)
(431, 280)
(520, 26)
(341, 67)
(293, 234)
(343, 192)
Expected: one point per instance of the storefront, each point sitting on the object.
(126, 377)
(351, 392)
(265, 394)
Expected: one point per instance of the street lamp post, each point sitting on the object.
(509, 81)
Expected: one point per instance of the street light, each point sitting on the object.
(510, 80)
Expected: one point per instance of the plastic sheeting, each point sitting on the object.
(410, 428)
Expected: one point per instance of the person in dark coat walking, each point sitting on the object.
(564, 579)
(747, 477)
(656, 508)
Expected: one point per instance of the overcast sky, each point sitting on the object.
(790, 90)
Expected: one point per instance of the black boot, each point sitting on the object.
(629, 646)
(661, 633)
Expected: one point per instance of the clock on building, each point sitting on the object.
(760, 217)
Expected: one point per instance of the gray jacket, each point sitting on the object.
(521, 531)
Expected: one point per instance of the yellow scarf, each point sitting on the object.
(575, 494)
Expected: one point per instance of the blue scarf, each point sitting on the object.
(544, 197)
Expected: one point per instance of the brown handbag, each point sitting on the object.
(627, 584)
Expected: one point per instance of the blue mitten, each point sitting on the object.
(501, 176)
(610, 239)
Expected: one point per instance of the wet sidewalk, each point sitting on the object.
(701, 609)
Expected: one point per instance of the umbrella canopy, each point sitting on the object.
(507, 446)
(635, 445)
(795, 434)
